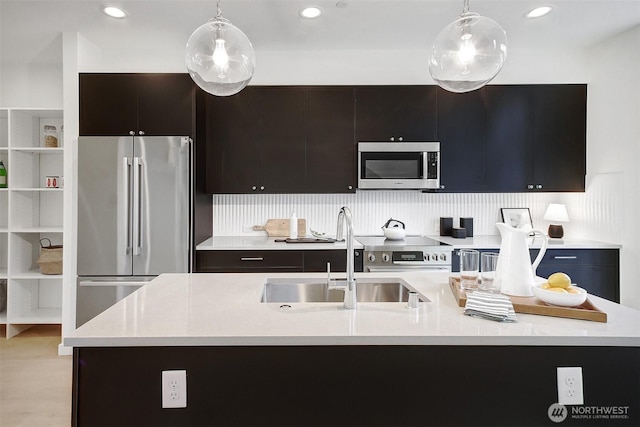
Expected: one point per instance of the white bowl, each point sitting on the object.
(560, 298)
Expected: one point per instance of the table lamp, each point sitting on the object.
(556, 213)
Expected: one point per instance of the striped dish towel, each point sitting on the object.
(490, 306)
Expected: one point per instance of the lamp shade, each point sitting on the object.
(556, 212)
(220, 58)
(468, 53)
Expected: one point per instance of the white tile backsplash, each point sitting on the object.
(594, 214)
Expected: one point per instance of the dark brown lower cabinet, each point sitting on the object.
(359, 385)
(264, 261)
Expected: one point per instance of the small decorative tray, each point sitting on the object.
(532, 305)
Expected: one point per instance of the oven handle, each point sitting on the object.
(372, 269)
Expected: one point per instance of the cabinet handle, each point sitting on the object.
(262, 188)
(392, 139)
(400, 138)
(132, 132)
(141, 132)
(539, 186)
(565, 257)
(530, 187)
(251, 259)
(254, 188)
(350, 187)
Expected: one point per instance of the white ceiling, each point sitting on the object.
(29, 27)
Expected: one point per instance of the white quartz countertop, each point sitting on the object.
(230, 243)
(493, 242)
(225, 310)
(478, 242)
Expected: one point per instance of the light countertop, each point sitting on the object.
(230, 243)
(493, 242)
(225, 309)
(478, 242)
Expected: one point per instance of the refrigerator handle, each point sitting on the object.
(126, 169)
(137, 211)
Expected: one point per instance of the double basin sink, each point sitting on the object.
(298, 290)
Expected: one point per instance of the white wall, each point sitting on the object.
(614, 140)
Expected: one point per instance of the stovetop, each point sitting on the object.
(374, 242)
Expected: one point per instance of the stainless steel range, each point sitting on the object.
(412, 253)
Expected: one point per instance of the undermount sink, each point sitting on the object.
(299, 290)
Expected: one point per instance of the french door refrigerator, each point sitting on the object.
(134, 197)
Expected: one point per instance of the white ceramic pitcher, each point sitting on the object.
(515, 275)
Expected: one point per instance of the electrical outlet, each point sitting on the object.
(570, 390)
(174, 389)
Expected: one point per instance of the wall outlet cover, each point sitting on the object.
(174, 389)
(570, 390)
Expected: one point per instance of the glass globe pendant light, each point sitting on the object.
(468, 53)
(220, 57)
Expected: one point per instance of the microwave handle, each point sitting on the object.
(425, 165)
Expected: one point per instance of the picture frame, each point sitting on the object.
(517, 217)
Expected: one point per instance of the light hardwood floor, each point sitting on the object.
(35, 383)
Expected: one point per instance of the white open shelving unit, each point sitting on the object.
(29, 212)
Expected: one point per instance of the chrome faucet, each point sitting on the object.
(348, 286)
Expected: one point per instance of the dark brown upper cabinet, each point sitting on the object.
(139, 104)
(269, 139)
(256, 141)
(461, 131)
(535, 138)
(330, 148)
(395, 113)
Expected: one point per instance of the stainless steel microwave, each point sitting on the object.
(399, 165)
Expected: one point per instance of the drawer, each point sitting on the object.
(579, 256)
(248, 261)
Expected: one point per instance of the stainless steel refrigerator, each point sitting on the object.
(134, 197)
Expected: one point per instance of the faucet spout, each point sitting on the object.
(350, 297)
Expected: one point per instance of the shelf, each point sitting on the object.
(35, 274)
(29, 211)
(39, 150)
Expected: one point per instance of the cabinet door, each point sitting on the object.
(280, 129)
(385, 112)
(330, 147)
(231, 140)
(108, 104)
(560, 137)
(248, 261)
(509, 138)
(461, 135)
(596, 270)
(166, 104)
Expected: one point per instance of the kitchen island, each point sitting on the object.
(250, 363)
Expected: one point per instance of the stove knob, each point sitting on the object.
(426, 257)
(434, 257)
(371, 257)
(443, 257)
(385, 257)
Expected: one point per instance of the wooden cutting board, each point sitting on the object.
(532, 305)
(280, 227)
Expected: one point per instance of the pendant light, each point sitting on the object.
(220, 57)
(468, 53)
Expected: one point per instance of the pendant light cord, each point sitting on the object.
(465, 8)
(219, 13)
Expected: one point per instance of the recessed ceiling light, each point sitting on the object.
(538, 12)
(310, 12)
(113, 11)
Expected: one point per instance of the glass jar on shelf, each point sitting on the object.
(50, 136)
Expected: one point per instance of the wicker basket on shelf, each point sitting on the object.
(50, 260)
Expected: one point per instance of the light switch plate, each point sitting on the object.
(570, 390)
(174, 389)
